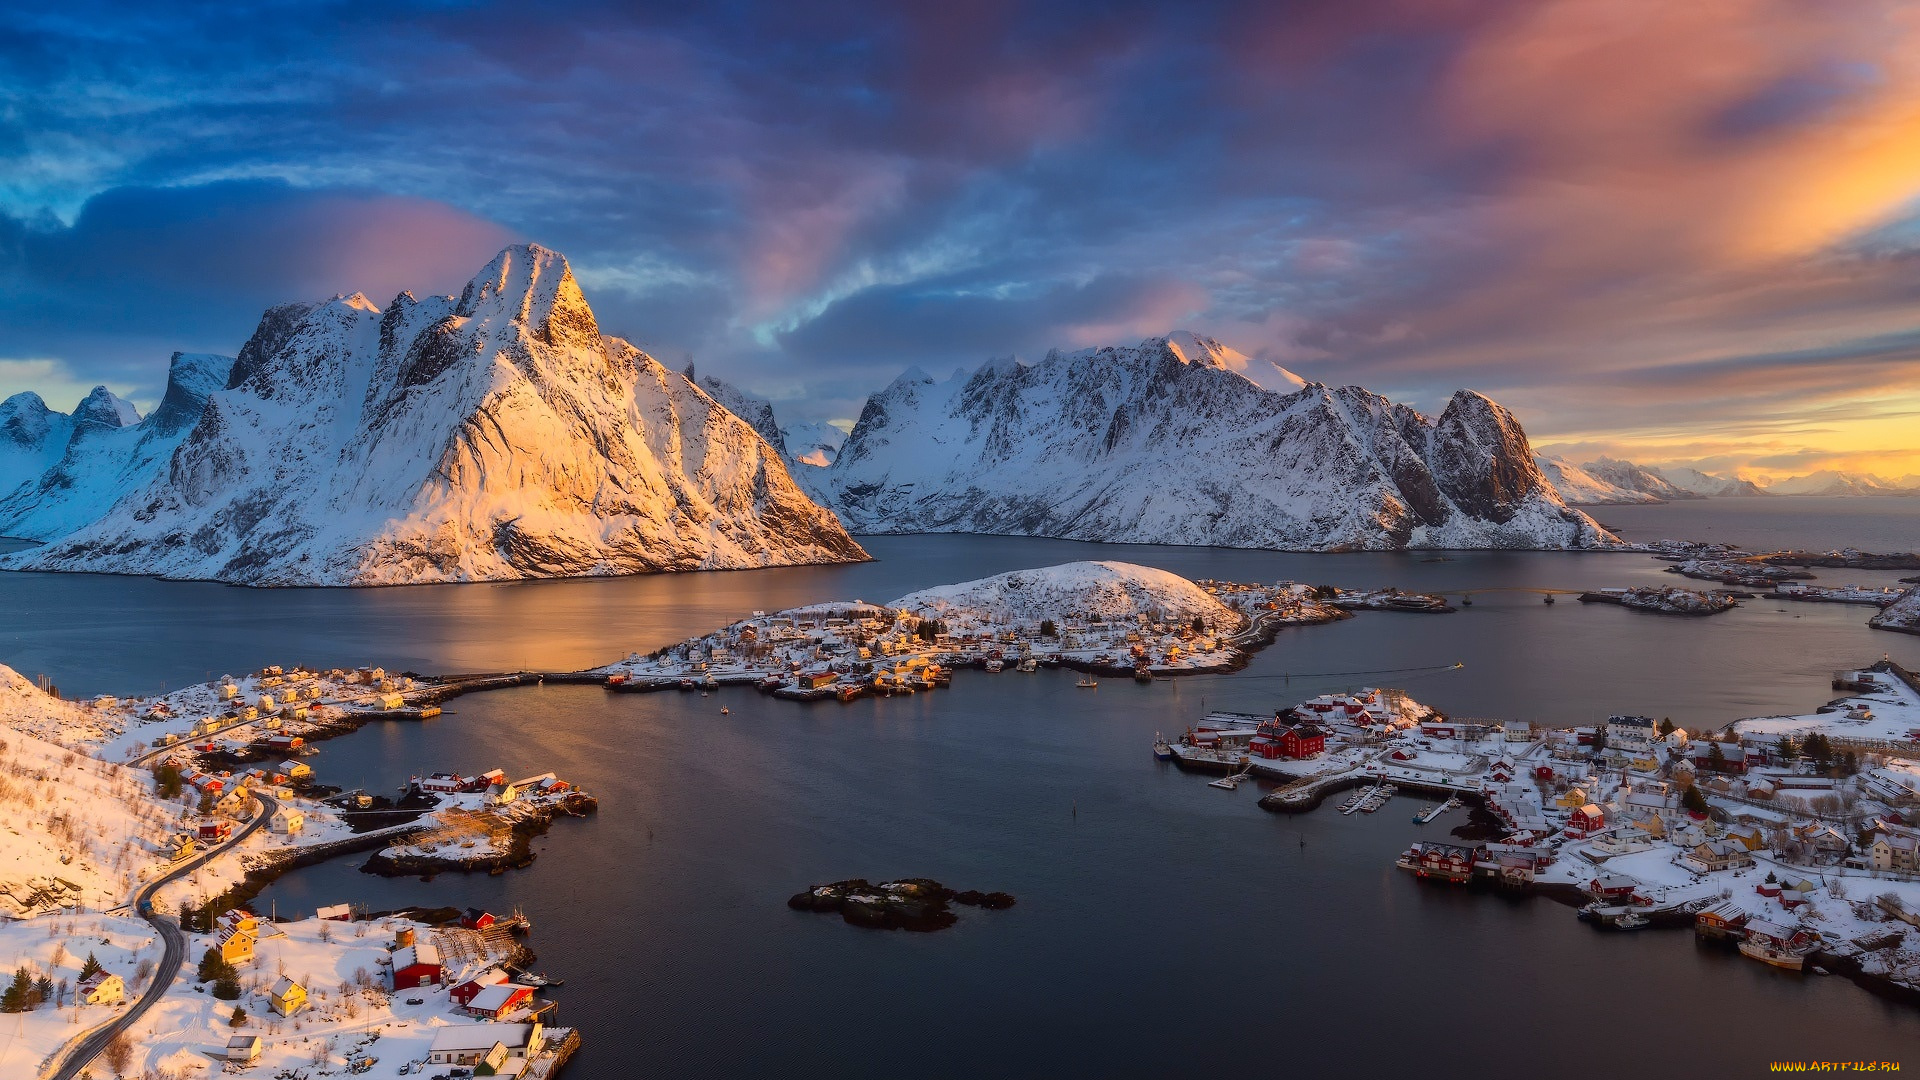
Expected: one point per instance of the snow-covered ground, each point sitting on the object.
(1890, 714)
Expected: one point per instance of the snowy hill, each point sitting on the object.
(1902, 615)
(810, 443)
(1104, 591)
(111, 451)
(1164, 443)
(32, 438)
(1608, 481)
(1709, 485)
(492, 436)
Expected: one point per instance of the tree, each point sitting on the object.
(42, 990)
(1716, 757)
(1849, 763)
(1666, 726)
(1788, 749)
(15, 998)
(167, 780)
(239, 1017)
(1693, 800)
(1047, 629)
(89, 969)
(1818, 750)
(214, 967)
(119, 1054)
(1199, 624)
(227, 986)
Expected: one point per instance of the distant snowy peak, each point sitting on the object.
(103, 408)
(1074, 591)
(492, 436)
(1830, 482)
(1709, 485)
(103, 458)
(1608, 481)
(813, 443)
(1163, 443)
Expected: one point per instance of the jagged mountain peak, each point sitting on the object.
(533, 285)
(491, 437)
(1162, 443)
(105, 408)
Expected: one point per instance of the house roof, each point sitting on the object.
(497, 996)
(286, 986)
(425, 952)
(243, 1042)
(481, 1036)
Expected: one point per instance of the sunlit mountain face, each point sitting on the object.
(1678, 235)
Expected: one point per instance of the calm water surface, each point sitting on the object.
(1164, 927)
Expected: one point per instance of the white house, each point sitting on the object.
(469, 1044)
(101, 988)
(243, 1049)
(288, 821)
(1631, 732)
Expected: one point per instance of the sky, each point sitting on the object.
(1679, 233)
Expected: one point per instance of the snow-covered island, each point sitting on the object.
(1099, 617)
(125, 887)
(1666, 601)
(1903, 615)
(1788, 838)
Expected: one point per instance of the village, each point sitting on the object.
(203, 832)
(1792, 839)
(1103, 619)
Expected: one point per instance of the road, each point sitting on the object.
(81, 1053)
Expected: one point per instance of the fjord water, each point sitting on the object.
(1163, 927)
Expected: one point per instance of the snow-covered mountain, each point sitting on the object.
(1579, 487)
(1829, 482)
(1160, 443)
(491, 436)
(110, 450)
(813, 442)
(1710, 485)
(1082, 590)
(1608, 481)
(810, 443)
(32, 438)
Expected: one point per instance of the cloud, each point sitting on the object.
(1638, 218)
(142, 271)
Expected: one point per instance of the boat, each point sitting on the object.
(1632, 920)
(1088, 683)
(1549, 598)
(1029, 664)
(1141, 674)
(1466, 601)
(724, 712)
(995, 665)
(1768, 953)
(686, 684)
(1161, 748)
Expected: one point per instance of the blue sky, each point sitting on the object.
(1679, 234)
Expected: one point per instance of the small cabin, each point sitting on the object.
(287, 997)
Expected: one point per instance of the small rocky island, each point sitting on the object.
(909, 904)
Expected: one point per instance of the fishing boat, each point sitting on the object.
(1632, 920)
(1029, 665)
(1549, 598)
(1162, 749)
(1141, 674)
(686, 684)
(1770, 953)
(1088, 683)
(995, 665)
(724, 712)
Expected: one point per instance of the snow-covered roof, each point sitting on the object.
(425, 952)
(496, 996)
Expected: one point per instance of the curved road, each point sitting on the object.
(80, 1054)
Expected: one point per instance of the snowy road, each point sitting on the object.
(82, 1052)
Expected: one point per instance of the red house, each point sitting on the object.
(1611, 887)
(466, 991)
(417, 965)
(499, 1000)
(1276, 740)
(1586, 821)
(475, 919)
(216, 829)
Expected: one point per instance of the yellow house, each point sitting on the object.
(236, 946)
(1653, 826)
(1572, 799)
(287, 997)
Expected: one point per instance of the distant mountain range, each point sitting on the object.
(1611, 482)
(1167, 442)
(493, 435)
